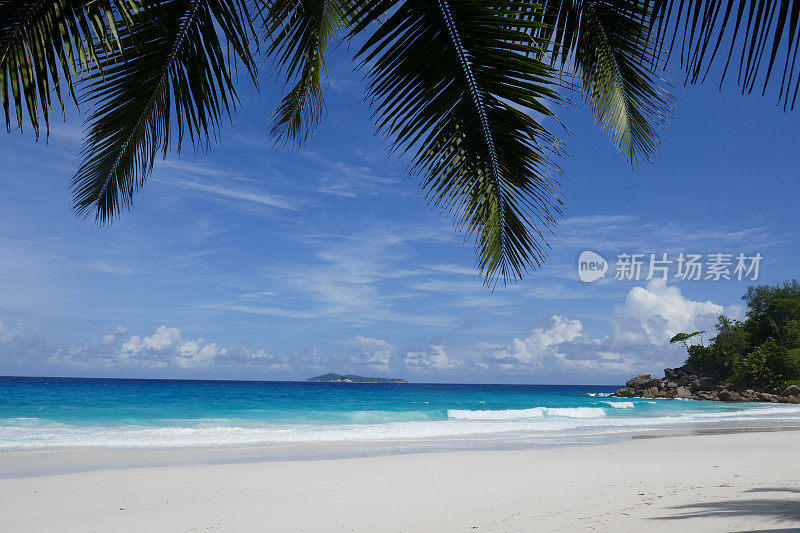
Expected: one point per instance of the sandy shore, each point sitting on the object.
(731, 482)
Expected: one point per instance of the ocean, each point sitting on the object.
(47, 413)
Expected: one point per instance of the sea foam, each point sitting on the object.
(534, 412)
(620, 405)
(461, 424)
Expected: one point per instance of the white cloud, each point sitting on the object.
(110, 338)
(433, 359)
(259, 358)
(233, 193)
(639, 337)
(376, 353)
(663, 311)
(350, 279)
(166, 347)
(456, 269)
(349, 180)
(162, 339)
(383, 356)
(542, 341)
(193, 354)
(219, 184)
(102, 266)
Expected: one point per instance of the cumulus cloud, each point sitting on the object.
(191, 354)
(164, 338)
(639, 336)
(110, 338)
(165, 348)
(543, 340)
(663, 311)
(436, 358)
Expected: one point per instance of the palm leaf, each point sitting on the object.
(756, 34)
(45, 45)
(299, 32)
(176, 78)
(454, 84)
(609, 47)
(625, 95)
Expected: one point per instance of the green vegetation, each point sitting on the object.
(684, 338)
(762, 352)
(467, 89)
(352, 378)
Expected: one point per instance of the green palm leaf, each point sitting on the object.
(175, 68)
(455, 85)
(44, 44)
(459, 85)
(625, 95)
(609, 47)
(299, 32)
(752, 33)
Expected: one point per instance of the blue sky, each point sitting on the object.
(260, 263)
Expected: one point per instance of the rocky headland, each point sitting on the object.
(695, 384)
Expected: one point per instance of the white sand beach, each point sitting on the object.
(721, 482)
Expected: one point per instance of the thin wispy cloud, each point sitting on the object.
(102, 266)
(231, 193)
(455, 269)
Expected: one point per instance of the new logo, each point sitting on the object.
(591, 266)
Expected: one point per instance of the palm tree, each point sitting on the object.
(460, 86)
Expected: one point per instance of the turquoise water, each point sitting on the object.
(61, 412)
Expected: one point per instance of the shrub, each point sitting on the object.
(769, 366)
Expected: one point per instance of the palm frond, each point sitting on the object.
(759, 35)
(45, 45)
(608, 45)
(626, 96)
(454, 83)
(299, 32)
(177, 67)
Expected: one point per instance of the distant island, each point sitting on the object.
(352, 378)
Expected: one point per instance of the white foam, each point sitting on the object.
(534, 412)
(533, 422)
(620, 405)
(576, 412)
(499, 414)
(14, 437)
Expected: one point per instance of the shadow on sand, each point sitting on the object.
(782, 512)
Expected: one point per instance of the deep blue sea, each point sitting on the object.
(66, 412)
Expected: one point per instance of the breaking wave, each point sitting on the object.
(535, 422)
(620, 405)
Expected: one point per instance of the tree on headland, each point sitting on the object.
(763, 351)
(684, 338)
(460, 86)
